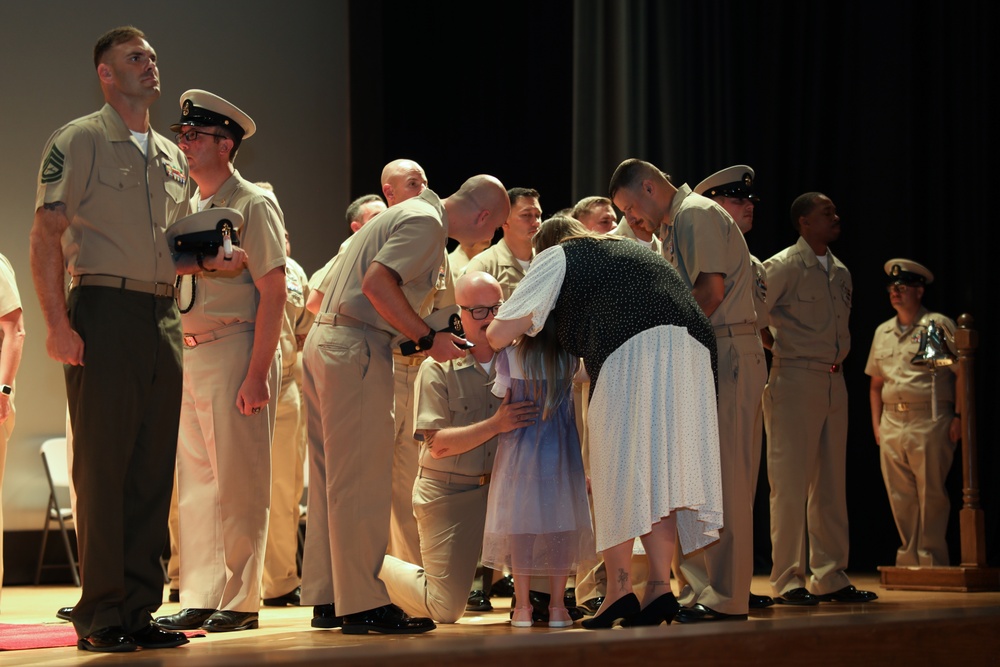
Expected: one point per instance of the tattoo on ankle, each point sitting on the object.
(654, 584)
(623, 580)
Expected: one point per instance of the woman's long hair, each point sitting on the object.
(544, 359)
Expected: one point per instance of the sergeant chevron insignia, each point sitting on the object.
(52, 168)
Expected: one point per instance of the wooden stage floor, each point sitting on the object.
(901, 628)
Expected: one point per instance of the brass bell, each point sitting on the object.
(934, 350)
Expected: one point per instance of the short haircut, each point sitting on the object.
(114, 37)
(804, 205)
(630, 173)
(354, 208)
(517, 193)
(587, 204)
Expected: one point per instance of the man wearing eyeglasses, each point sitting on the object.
(387, 273)
(458, 421)
(232, 317)
(108, 189)
(914, 418)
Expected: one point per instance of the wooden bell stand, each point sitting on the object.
(973, 574)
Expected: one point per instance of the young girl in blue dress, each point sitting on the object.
(538, 517)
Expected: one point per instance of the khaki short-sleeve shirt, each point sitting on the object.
(10, 300)
(623, 229)
(760, 292)
(118, 201)
(297, 319)
(890, 359)
(226, 297)
(706, 240)
(409, 239)
(499, 262)
(809, 306)
(455, 393)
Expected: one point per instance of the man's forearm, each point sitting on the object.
(381, 286)
(457, 440)
(47, 268)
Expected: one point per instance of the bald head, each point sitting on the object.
(477, 210)
(477, 289)
(401, 180)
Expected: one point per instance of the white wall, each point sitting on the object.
(284, 63)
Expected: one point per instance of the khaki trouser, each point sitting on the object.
(805, 415)
(404, 541)
(450, 518)
(916, 456)
(349, 379)
(718, 576)
(223, 478)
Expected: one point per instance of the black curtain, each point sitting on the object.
(884, 106)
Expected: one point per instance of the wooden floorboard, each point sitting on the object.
(901, 628)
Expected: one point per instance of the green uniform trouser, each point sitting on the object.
(124, 407)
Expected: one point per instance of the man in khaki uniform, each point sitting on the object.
(508, 260)
(805, 411)
(732, 189)
(280, 583)
(596, 214)
(11, 344)
(232, 322)
(458, 421)
(401, 180)
(376, 290)
(916, 438)
(359, 212)
(109, 187)
(712, 258)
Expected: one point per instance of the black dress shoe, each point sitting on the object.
(288, 599)
(797, 596)
(663, 608)
(760, 601)
(616, 612)
(389, 619)
(64, 613)
(185, 619)
(699, 613)
(478, 602)
(108, 640)
(503, 588)
(325, 616)
(540, 607)
(590, 607)
(848, 594)
(174, 596)
(569, 598)
(153, 637)
(230, 621)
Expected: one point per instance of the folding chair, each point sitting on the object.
(53, 453)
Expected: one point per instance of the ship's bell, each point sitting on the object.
(934, 351)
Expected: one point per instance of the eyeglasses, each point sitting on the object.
(482, 312)
(192, 135)
(897, 288)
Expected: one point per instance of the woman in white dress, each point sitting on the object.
(650, 353)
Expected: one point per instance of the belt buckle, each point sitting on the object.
(484, 479)
(190, 341)
(902, 407)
